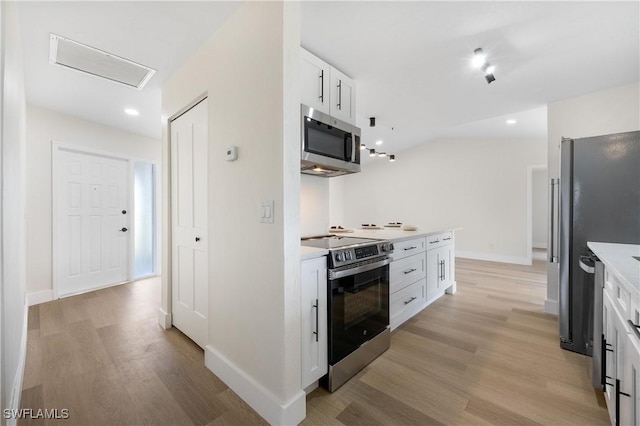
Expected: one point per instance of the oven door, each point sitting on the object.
(358, 307)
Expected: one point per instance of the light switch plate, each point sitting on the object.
(266, 211)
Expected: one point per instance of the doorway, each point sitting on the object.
(91, 221)
(537, 212)
(189, 223)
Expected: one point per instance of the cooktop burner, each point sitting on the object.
(331, 242)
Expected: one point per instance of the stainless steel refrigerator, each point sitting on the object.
(599, 200)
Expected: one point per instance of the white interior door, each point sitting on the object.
(189, 277)
(92, 244)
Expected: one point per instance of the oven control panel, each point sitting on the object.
(349, 255)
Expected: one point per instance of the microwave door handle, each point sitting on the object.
(348, 149)
(354, 147)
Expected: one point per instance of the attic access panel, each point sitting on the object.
(80, 57)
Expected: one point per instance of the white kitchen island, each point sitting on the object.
(422, 271)
(620, 322)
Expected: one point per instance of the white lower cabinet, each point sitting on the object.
(407, 284)
(632, 382)
(405, 303)
(622, 363)
(423, 269)
(440, 266)
(313, 294)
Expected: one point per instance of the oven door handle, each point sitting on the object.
(334, 275)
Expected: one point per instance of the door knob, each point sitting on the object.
(124, 212)
(124, 230)
(197, 239)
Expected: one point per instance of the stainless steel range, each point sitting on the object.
(358, 299)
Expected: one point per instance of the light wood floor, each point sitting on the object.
(487, 355)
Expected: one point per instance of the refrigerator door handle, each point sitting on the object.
(553, 228)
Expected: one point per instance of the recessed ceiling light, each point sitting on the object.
(131, 111)
(511, 121)
(479, 58)
(378, 142)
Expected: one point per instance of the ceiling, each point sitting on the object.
(411, 60)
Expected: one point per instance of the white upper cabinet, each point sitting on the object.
(314, 79)
(326, 88)
(343, 95)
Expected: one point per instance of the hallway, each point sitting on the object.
(103, 356)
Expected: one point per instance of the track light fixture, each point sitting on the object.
(480, 61)
(392, 158)
(372, 122)
(372, 152)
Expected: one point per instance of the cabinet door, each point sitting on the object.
(633, 382)
(630, 405)
(621, 367)
(609, 371)
(446, 280)
(433, 273)
(314, 81)
(343, 95)
(314, 320)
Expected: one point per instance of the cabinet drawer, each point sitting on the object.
(620, 295)
(406, 271)
(406, 302)
(407, 248)
(439, 240)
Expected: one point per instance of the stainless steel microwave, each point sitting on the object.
(330, 147)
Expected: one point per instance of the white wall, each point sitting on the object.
(613, 110)
(314, 205)
(540, 220)
(43, 127)
(254, 303)
(14, 310)
(479, 185)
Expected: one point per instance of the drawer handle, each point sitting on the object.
(410, 300)
(410, 248)
(410, 271)
(634, 328)
(433, 242)
(317, 332)
(446, 239)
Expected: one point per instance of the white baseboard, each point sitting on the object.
(16, 390)
(491, 257)
(539, 255)
(253, 393)
(551, 306)
(38, 297)
(164, 319)
(539, 245)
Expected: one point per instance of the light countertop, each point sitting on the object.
(618, 258)
(307, 253)
(394, 234)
